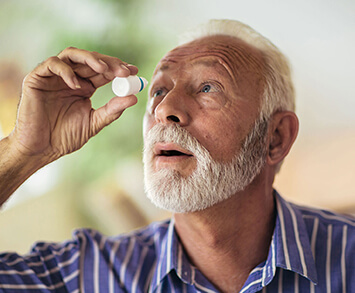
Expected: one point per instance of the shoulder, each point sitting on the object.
(140, 234)
(48, 266)
(312, 214)
(55, 266)
(331, 234)
(326, 218)
(119, 260)
(85, 241)
(150, 236)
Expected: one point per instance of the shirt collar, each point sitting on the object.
(290, 249)
(173, 259)
(166, 255)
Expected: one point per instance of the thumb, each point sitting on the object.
(110, 112)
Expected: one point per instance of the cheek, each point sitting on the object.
(148, 123)
(211, 101)
(221, 138)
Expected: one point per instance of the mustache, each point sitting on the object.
(176, 134)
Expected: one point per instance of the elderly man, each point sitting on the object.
(219, 123)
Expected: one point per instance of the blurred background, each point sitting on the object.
(101, 185)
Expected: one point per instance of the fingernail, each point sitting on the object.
(76, 83)
(103, 62)
(124, 67)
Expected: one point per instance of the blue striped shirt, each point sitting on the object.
(311, 251)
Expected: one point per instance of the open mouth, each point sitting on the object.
(171, 156)
(170, 150)
(171, 153)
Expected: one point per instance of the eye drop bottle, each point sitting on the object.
(131, 85)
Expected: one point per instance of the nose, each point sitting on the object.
(172, 109)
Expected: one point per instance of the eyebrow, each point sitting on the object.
(201, 60)
(212, 63)
(204, 62)
(164, 67)
(208, 63)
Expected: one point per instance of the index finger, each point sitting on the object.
(99, 63)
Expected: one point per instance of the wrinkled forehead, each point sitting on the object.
(236, 55)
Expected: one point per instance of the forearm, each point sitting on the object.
(15, 168)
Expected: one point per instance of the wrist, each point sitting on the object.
(16, 166)
(20, 157)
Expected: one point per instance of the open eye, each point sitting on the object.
(206, 88)
(158, 93)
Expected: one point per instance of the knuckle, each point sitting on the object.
(94, 55)
(67, 51)
(26, 79)
(46, 63)
(70, 48)
(52, 59)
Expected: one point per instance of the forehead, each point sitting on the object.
(236, 56)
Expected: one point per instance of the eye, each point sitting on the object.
(206, 88)
(158, 93)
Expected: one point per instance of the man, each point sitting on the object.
(219, 123)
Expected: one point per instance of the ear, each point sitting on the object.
(283, 131)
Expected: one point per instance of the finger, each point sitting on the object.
(53, 66)
(132, 68)
(110, 112)
(73, 55)
(86, 72)
(99, 80)
(96, 79)
(97, 62)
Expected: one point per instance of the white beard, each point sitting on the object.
(211, 182)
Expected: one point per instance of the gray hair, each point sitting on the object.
(278, 92)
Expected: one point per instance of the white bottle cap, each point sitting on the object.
(131, 85)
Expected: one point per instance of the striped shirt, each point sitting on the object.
(311, 251)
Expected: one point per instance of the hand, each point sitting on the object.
(55, 115)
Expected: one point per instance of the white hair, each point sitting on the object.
(211, 182)
(278, 92)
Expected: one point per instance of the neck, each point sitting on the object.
(230, 239)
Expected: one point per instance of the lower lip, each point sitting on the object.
(171, 160)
